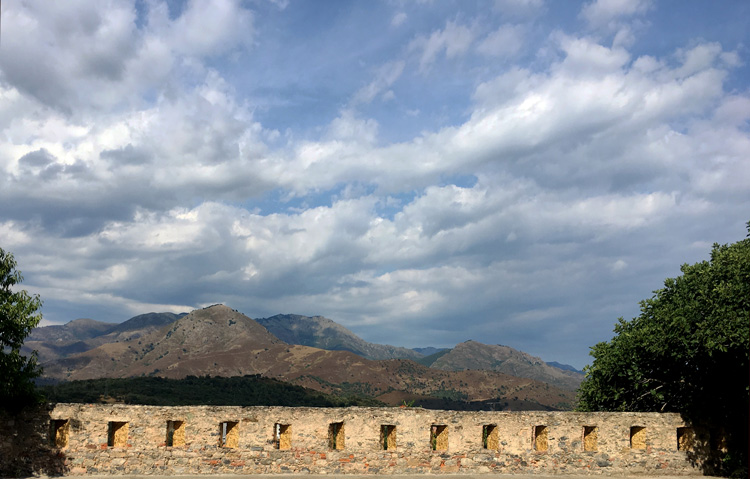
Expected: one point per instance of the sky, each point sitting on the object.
(516, 172)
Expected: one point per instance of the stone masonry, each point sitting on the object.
(80, 439)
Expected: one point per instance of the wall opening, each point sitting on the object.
(282, 436)
(590, 438)
(439, 437)
(685, 438)
(229, 434)
(336, 435)
(489, 437)
(388, 437)
(540, 438)
(175, 433)
(58, 432)
(638, 437)
(117, 434)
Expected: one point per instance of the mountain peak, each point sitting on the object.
(217, 308)
(83, 321)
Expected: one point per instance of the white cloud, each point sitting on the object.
(454, 40)
(696, 59)
(139, 173)
(93, 54)
(349, 127)
(602, 13)
(520, 7)
(398, 19)
(281, 4)
(211, 28)
(588, 57)
(77, 49)
(594, 98)
(506, 41)
(385, 76)
(619, 265)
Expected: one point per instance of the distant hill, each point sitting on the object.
(323, 333)
(80, 335)
(219, 341)
(474, 355)
(76, 330)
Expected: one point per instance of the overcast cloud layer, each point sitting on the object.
(518, 172)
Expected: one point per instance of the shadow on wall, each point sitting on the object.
(715, 450)
(41, 439)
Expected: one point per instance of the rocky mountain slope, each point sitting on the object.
(323, 333)
(219, 341)
(474, 355)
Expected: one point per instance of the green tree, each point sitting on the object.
(686, 352)
(18, 316)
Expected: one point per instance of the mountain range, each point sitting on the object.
(80, 335)
(314, 352)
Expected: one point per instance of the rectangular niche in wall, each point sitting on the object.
(685, 438)
(117, 434)
(388, 437)
(336, 435)
(638, 437)
(58, 432)
(282, 436)
(590, 438)
(175, 433)
(439, 437)
(229, 434)
(489, 437)
(540, 438)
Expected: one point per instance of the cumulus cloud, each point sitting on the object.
(77, 54)
(594, 93)
(540, 199)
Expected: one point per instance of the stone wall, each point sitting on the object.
(118, 439)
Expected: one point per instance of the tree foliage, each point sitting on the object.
(686, 352)
(250, 390)
(19, 314)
